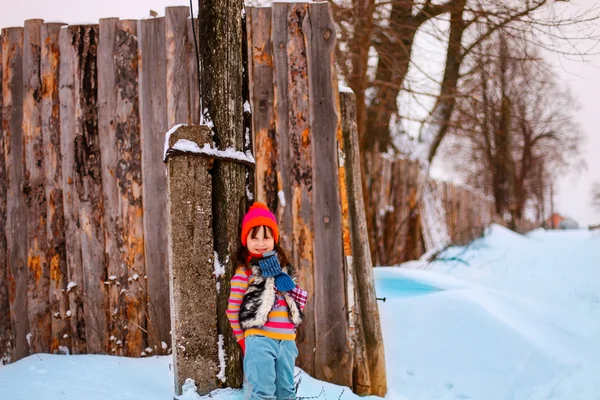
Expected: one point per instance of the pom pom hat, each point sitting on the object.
(259, 215)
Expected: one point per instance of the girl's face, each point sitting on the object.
(260, 240)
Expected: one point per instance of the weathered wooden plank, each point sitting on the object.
(153, 125)
(129, 180)
(121, 161)
(16, 209)
(260, 61)
(59, 300)
(193, 292)
(38, 273)
(5, 328)
(369, 369)
(295, 167)
(333, 359)
(82, 172)
(67, 98)
(88, 185)
(192, 68)
(113, 224)
(178, 78)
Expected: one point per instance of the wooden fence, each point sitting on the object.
(83, 255)
(394, 206)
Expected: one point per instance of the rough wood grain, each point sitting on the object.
(113, 224)
(121, 160)
(178, 77)
(5, 328)
(55, 228)
(331, 324)
(153, 126)
(295, 169)
(221, 93)
(67, 78)
(38, 271)
(191, 264)
(370, 377)
(16, 209)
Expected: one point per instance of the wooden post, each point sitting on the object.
(122, 182)
(192, 285)
(35, 193)
(55, 227)
(5, 328)
(16, 223)
(153, 125)
(369, 370)
(221, 94)
(83, 192)
(331, 323)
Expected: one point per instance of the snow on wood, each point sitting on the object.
(344, 89)
(188, 146)
(281, 196)
(247, 107)
(70, 286)
(221, 374)
(168, 136)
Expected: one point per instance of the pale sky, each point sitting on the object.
(573, 191)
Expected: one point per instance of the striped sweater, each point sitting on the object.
(278, 326)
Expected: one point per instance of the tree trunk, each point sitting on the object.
(221, 98)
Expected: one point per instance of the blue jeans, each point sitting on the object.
(269, 367)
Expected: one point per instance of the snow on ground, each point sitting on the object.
(512, 317)
(508, 317)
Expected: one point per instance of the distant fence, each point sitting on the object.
(83, 255)
(395, 209)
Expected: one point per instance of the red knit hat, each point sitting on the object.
(259, 215)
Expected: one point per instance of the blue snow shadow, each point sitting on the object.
(396, 287)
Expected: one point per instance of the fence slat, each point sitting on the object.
(295, 163)
(5, 328)
(260, 62)
(59, 300)
(16, 224)
(153, 125)
(83, 198)
(129, 179)
(70, 209)
(35, 193)
(192, 68)
(335, 364)
(107, 126)
(176, 42)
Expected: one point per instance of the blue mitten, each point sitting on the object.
(284, 282)
(269, 264)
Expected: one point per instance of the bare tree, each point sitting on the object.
(377, 38)
(514, 126)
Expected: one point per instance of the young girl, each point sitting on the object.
(265, 307)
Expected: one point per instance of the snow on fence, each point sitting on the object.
(84, 110)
